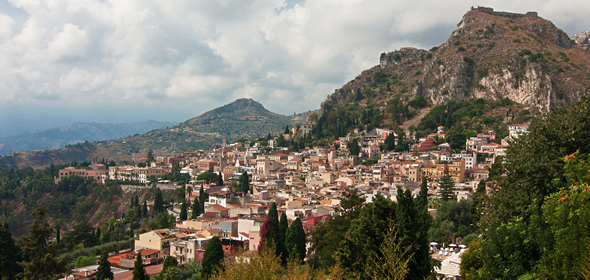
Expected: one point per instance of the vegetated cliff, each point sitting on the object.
(491, 55)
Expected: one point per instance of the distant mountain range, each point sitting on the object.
(243, 118)
(59, 137)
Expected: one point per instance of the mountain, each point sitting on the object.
(491, 55)
(243, 118)
(59, 137)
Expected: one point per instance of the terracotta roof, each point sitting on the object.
(219, 207)
(147, 252)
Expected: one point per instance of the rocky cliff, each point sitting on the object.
(491, 55)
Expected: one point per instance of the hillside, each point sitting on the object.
(59, 137)
(243, 118)
(491, 55)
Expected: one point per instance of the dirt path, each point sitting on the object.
(415, 121)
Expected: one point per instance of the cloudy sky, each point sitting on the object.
(117, 61)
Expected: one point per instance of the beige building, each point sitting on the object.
(186, 250)
(156, 239)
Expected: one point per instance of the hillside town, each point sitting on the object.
(308, 185)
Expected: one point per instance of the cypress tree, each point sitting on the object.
(183, 212)
(280, 239)
(158, 201)
(196, 209)
(212, 257)
(138, 269)
(219, 179)
(104, 268)
(295, 241)
(144, 209)
(273, 214)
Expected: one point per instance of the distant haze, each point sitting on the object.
(64, 61)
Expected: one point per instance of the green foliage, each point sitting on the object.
(295, 241)
(42, 255)
(103, 271)
(86, 261)
(196, 209)
(281, 248)
(10, 254)
(565, 216)
(460, 49)
(244, 183)
(209, 177)
(169, 262)
(446, 188)
(158, 201)
(213, 257)
(139, 272)
(326, 238)
(354, 147)
(450, 217)
(183, 211)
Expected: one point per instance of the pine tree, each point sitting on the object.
(138, 269)
(212, 257)
(281, 249)
(295, 241)
(104, 268)
(43, 255)
(446, 188)
(10, 254)
(196, 209)
(183, 211)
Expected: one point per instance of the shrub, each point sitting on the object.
(516, 40)
(460, 49)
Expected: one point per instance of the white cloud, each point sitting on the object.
(6, 26)
(175, 56)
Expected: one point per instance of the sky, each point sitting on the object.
(116, 61)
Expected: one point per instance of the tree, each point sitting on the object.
(203, 196)
(158, 201)
(209, 177)
(104, 267)
(169, 262)
(219, 179)
(244, 182)
(447, 188)
(42, 254)
(196, 209)
(150, 155)
(354, 147)
(281, 250)
(144, 209)
(183, 211)
(295, 241)
(139, 272)
(212, 257)
(286, 129)
(57, 225)
(10, 254)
